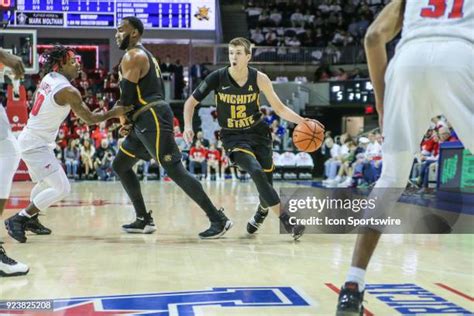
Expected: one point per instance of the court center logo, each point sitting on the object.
(181, 303)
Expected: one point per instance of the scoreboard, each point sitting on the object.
(351, 92)
(155, 14)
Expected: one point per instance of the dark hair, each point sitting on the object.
(53, 58)
(136, 23)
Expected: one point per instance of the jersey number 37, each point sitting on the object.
(437, 9)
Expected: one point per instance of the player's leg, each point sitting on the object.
(247, 161)
(8, 166)
(43, 166)
(34, 225)
(158, 138)
(123, 167)
(406, 117)
(453, 70)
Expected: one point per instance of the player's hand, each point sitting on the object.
(15, 63)
(125, 129)
(120, 110)
(188, 135)
(315, 121)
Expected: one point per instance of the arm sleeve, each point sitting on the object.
(206, 86)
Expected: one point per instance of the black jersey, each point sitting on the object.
(149, 88)
(237, 107)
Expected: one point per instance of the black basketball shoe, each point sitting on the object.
(9, 267)
(257, 220)
(142, 225)
(350, 300)
(15, 226)
(218, 228)
(296, 231)
(35, 226)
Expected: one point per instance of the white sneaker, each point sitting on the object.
(9, 267)
(347, 183)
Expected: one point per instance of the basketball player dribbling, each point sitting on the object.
(432, 73)
(245, 136)
(54, 98)
(9, 159)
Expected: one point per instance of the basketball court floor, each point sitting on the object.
(88, 266)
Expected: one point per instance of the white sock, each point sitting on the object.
(356, 275)
(25, 214)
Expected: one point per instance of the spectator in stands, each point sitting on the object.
(111, 82)
(297, 18)
(443, 134)
(257, 36)
(103, 160)
(197, 156)
(307, 38)
(200, 137)
(271, 38)
(213, 162)
(275, 17)
(178, 80)
(87, 154)
(71, 158)
(84, 82)
(278, 131)
(167, 66)
(264, 19)
(99, 134)
(309, 19)
(62, 138)
(58, 152)
(198, 73)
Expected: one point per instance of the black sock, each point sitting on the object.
(192, 187)
(122, 165)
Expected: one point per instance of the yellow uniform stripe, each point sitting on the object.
(127, 152)
(140, 96)
(157, 135)
(269, 170)
(245, 151)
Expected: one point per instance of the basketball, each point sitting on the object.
(308, 136)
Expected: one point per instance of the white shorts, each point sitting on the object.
(38, 156)
(428, 77)
(9, 159)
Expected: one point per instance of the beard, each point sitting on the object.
(125, 43)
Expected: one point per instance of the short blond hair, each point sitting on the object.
(242, 41)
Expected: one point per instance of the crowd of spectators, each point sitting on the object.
(357, 161)
(333, 26)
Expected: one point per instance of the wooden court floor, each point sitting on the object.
(173, 273)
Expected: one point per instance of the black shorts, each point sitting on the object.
(255, 141)
(152, 136)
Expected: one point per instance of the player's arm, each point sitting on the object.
(385, 27)
(14, 62)
(265, 85)
(71, 96)
(205, 87)
(133, 64)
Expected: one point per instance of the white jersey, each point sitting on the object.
(4, 124)
(46, 115)
(447, 18)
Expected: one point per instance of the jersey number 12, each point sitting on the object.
(438, 8)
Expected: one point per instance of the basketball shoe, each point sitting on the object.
(35, 226)
(218, 227)
(350, 300)
(296, 231)
(142, 225)
(257, 220)
(16, 227)
(9, 267)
